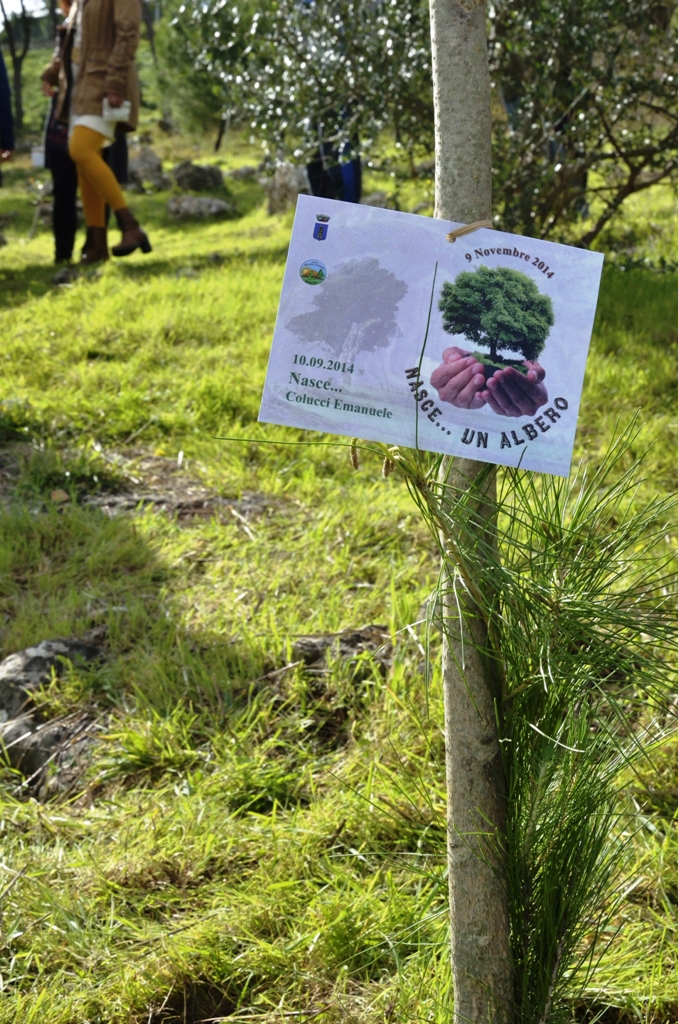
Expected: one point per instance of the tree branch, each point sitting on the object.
(26, 31)
(9, 29)
(633, 184)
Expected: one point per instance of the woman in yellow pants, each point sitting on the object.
(99, 188)
(95, 75)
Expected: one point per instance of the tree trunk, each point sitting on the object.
(52, 8)
(17, 57)
(18, 94)
(147, 18)
(481, 961)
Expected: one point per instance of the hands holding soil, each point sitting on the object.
(460, 380)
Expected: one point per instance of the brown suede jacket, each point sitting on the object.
(110, 36)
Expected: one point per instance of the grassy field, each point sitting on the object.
(249, 839)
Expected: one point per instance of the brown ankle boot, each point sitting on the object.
(87, 242)
(95, 249)
(132, 235)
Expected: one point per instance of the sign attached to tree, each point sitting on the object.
(389, 332)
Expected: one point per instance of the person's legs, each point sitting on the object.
(132, 235)
(96, 242)
(85, 149)
(92, 203)
(116, 157)
(64, 216)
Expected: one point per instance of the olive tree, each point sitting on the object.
(589, 111)
(586, 96)
(203, 52)
(298, 74)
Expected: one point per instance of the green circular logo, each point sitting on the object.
(313, 272)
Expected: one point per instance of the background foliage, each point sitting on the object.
(298, 73)
(590, 95)
(586, 95)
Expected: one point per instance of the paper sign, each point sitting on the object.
(388, 332)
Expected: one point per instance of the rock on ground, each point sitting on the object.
(145, 168)
(197, 207)
(30, 744)
(197, 178)
(166, 125)
(65, 275)
(23, 673)
(373, 641)
(245, 173)
(284, 186)
(30, 747)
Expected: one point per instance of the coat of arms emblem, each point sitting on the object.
(321, 228)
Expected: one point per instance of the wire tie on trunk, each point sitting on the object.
(466, 229)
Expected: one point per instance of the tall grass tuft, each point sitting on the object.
(577, 584)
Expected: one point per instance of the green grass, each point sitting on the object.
(247, 841)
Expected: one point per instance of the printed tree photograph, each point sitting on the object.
(499, 309)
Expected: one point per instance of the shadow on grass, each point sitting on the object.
(224, 258)
(29, 282)
(35, 280)
(67, 567)
(32, 280)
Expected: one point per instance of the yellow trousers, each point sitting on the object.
(98, 184)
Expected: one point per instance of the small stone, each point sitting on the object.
(197, 207)
(187, 272)
(65, 275)
(373, 640)
(145, 168)
(197, 178)
(26, 671)
(59, 496)
(245, 173)
(284, 186)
